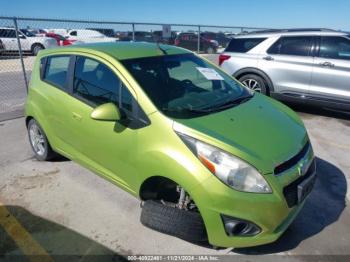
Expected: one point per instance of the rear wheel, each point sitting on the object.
(36, 48)
(39, 142)
(255, 83)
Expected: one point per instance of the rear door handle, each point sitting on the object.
(76, 116)
(268, 58)
(328, 64)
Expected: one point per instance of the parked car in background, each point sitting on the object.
(158, 37)
(61, 41)
(230, 35)
(190, 41)
(88, 36)
(105, 31)
(140, 36)
(59, 31)
(298, 65)
(221, 38)
(29, 42)
(37, 31)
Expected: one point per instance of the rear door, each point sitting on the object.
(288, 63)
(331, 74)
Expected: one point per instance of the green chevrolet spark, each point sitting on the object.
(209, 159)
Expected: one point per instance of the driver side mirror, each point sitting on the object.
(21, 36)
(106, 112)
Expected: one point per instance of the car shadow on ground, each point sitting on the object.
(313, 110)
(57, 241)
(323, 207)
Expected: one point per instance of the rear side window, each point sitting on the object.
(56, 71)
(335, 48)
(96, 84)
(295, 45)
(243, 45)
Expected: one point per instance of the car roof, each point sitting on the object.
(291, 32)
(121, 50)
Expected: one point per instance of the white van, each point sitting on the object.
(88, 36)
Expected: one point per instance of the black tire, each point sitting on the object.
(36, 48)
(187, 225)
(263, 88)
(48, 153)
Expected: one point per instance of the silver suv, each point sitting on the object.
(307, 65)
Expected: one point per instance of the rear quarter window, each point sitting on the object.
(243, 45)
(56, 71)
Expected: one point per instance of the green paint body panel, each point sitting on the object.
(262, 132)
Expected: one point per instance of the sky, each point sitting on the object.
(333, 14)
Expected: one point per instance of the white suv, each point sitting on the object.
(298, 65)
(29, 42)
(88, 36)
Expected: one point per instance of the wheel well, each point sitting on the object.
(37, 44)
(253, 71)
(28, 118)
(158, 187)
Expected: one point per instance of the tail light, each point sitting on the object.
(223, 58)
(177, 41)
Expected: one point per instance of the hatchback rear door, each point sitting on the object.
(331, 74)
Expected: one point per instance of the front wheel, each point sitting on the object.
(39, 142)
(255, 83)
(181, 223)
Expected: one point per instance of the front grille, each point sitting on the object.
(290, 192)
(292, 161)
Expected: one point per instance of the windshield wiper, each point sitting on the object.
(193, 110)
(230, 103)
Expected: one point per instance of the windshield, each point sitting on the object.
(184, 86)
(27, 33)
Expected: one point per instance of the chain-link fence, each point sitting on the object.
(22, 38)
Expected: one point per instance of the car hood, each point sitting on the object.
(261, 131)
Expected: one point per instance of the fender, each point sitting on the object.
(256, 71)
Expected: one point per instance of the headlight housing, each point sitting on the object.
(231, 170)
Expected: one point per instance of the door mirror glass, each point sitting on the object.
(106, 112)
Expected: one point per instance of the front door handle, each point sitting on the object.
(76, 116)
(328, 64)
(268, 58)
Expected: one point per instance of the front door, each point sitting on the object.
(288, 63)
(107, 147)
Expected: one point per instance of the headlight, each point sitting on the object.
(231, 170)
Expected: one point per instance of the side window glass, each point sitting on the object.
(335, 48)
(97, 84)
(73, 33)
(9, 33)
(297, 46)
(56, 71)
